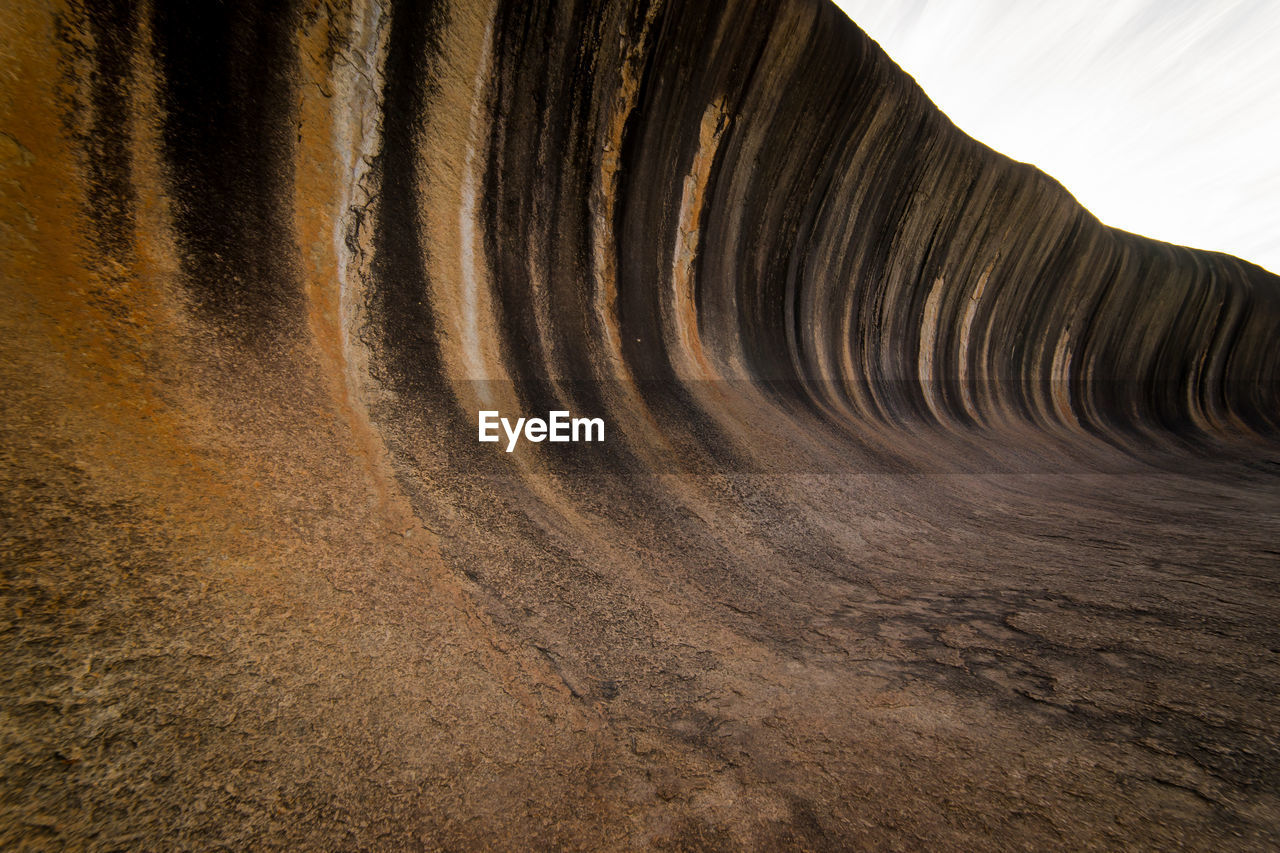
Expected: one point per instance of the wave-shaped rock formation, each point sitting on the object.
(931, 513)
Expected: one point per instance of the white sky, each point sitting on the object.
(1161, 116)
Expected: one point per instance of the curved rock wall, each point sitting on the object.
(931, 511)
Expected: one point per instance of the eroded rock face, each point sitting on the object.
(931, 513)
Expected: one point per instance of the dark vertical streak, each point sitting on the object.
(398, 295)
(111, 195)
(228, 73)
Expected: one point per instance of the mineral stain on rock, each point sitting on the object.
(931, 514)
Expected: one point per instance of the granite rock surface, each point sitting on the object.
(932, 513)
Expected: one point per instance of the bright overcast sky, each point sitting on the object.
(1161, 116)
